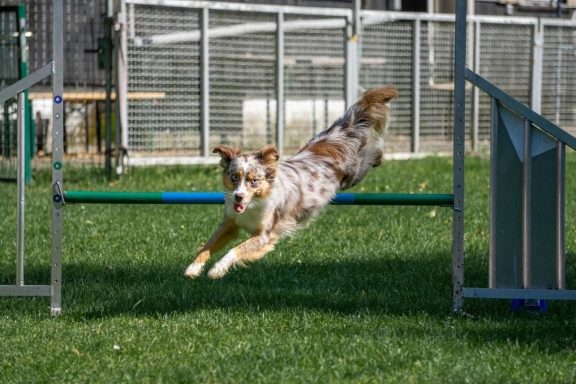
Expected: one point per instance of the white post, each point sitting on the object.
(280, 83)
(122, 87)
(352, 55)
(537, 59)
(205, 83)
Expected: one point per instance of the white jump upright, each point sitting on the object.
(53, 69)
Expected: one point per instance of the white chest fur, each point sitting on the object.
(251, 220)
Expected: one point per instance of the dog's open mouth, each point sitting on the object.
(239, 208)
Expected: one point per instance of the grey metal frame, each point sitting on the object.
(57, 155)
(508, 279)
(53, 69)
(458, 158)
(280, 120)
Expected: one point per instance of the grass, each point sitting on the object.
(361, 296)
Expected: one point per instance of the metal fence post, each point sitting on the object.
(29, 136)
(121, 49)
(416, 86)
(537, 64)
(352, 57)
(280, 83)
(475, 90)
(205, 83)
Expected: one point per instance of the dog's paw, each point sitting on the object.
(218, 271)
(194, 270)
(221, 268)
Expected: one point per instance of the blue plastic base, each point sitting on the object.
(540, 306)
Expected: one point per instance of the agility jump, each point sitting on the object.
(505, 282)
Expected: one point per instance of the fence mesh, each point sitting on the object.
(242, 68)
(9, 73)
(83, 80)
(313, 79)
(506, 62)
(387, 58)
(163, 82)
(559, 76)
(437, 87)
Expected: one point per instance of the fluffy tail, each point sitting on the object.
(372, 108)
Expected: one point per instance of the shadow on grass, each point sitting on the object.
(394, 287)
(383, 286)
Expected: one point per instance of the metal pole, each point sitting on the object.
(108, 88)
(492, 269)
(280, 83)
(537, 60)
(21, 181)
(352, 57)
(118, 67)
(29, 136)
(560, 226)
(57, 153)
(458, 157)
(106, 197)
(475, 90)
(122, 91)
(526, 207)
(205, 83)
(416, 87)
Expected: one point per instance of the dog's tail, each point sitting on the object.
(372, 110)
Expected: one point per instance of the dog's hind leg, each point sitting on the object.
(252, 249)
(226, 232)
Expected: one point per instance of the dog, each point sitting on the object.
(271, 199)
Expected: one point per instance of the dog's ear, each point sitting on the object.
(227, 154)
(268, 155)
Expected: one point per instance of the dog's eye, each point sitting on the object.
(254, 182)
(234, 177)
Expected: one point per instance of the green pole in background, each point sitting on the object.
(29, 126)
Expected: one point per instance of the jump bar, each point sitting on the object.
(97, 197)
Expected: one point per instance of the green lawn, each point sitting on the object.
(363, 295)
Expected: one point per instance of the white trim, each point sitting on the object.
(224, 6)
(213, 160)
(238, 29)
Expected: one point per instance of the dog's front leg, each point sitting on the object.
(251, 250)
(226, 232)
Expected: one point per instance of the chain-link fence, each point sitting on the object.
(242, 78)
(83, 79)
(559, 74)
(181, 102)
(415, 52)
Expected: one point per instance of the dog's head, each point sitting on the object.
(248, 176)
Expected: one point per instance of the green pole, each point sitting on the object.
(29, 128)
(98, 197)
(111, 197)
(435, 199)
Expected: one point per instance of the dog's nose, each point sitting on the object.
(238, 197)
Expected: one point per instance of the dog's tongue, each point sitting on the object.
(239, 208)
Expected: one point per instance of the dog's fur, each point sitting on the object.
(270, 199)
